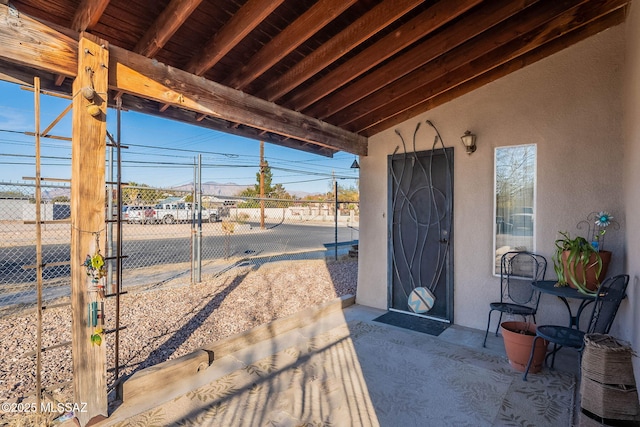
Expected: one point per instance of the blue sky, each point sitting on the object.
(161, 152)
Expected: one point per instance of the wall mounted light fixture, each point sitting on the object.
(469, 141)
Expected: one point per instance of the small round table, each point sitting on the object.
(565, 293)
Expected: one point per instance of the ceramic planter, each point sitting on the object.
(580, 272)
(518, 339)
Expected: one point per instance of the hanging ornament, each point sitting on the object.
(97, 271)
(96, 337)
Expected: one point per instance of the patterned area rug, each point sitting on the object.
(356, 375)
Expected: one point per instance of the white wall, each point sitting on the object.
(629, 316)
(568, 104)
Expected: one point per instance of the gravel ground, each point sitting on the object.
(171, 321)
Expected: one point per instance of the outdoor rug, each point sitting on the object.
(414, 323)
(369, 374)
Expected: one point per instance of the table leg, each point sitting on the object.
(573, 320)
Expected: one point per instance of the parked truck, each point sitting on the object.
(170, 213)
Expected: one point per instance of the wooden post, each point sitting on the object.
(88, 220)
(38, 194)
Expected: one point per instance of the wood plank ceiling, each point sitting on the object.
(361, 65)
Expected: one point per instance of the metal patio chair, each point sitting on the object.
(518, 269)
(608, 299)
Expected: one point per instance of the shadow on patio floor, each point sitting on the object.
(346, 370)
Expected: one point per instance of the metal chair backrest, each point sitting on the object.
(518, 269)
(610, 295)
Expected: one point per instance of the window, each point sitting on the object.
(514, 201)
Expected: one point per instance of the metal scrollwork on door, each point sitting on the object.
(421, 204)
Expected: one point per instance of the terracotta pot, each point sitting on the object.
(579, 271)
(518, 339)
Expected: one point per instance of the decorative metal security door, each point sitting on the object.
(421, 202)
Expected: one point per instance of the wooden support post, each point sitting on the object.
(38, 194)
(88, 220)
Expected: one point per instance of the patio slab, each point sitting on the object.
(345, 369)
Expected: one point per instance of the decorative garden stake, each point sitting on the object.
(97, 271)
(596, 225)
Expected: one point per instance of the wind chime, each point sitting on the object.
(97, 271)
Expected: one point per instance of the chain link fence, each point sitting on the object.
(166, 235)
(167, 242)
(18, 245)
(163, 237)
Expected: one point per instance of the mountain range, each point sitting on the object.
(212, 188)
(229, 189)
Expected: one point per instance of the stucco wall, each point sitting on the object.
(570, 106)
(630, 313)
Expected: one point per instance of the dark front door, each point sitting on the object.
(421, 202)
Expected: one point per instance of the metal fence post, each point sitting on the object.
(335, 216)
(199, 231)
(193, 225)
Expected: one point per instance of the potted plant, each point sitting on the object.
(518, 340)
(582, 263)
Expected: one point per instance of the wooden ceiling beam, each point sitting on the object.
(30, 43)
(85, 18)
(530, 19)
(27, 42)
(145, 106)
(88, 14)
(587, 27)
(165, 26)
(421, 25)
(310, 22)
(239, 26)
(355, 34)
(248, 17)
(140, 76)
(11, 72)
(469, 26)
(614, 18)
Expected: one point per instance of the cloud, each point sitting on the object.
(15, 120)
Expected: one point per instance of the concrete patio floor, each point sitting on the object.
(466, 338)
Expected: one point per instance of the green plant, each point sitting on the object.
(581, 255)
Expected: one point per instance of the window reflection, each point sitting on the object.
(515, 173)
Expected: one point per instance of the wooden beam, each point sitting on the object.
(421, 25)
(22, 75)
(165, 26)
(314, 19)
(248, 17)
(372, 108)
(87, 222)
(242, 23)
(150, 107)
(168, 22)
(576, 35)
(28, 42)
(150, 79)
(88, 14)
(469, 26)
(86, 17)
(355, 34)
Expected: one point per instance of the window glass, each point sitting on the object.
(515, 191)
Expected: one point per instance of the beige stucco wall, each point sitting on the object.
(570, 106)
(630, 313)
